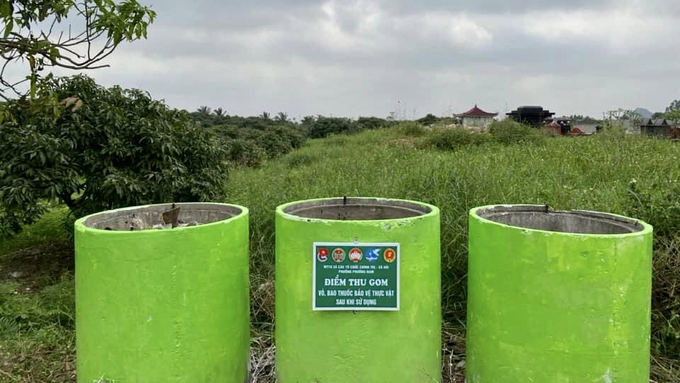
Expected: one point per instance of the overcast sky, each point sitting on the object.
(353, 58)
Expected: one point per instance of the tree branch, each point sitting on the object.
(114, 22)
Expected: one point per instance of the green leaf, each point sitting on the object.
(8, 28)
(5, 9)
(54, 54)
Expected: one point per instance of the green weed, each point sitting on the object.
(511, 132)
(590, 173)
(50, 227)
(455, 138)
(610, 172)
(298, 159)
(411, 129)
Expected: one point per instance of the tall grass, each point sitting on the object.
(50, 227)
(593, 173)
(609, 172)
(37, 333)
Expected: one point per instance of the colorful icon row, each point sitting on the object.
(355, 255)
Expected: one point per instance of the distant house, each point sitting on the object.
(558, 125)
(585, 128)
(530, 115)
(476, 117)
(655, 127)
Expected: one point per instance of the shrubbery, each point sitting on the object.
(292, 132)
(274, 144)
(512, 132)
(95, 149)
(372, 123)
(411, 128)
(250, 147)
(242, 152)
(251, 140)
(430, 119)
(455, 138)
(505, 132)
(322, 127)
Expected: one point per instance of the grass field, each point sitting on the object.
(626, 175)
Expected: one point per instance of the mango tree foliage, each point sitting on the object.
(39, 33)
(99, 149)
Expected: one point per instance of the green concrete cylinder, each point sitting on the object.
(402, 344)
(557, 296)
(168, 305)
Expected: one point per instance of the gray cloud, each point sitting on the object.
(374, 57)
(496, 6)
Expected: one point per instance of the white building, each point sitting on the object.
(476, 117)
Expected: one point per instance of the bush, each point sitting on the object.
(225, 132)
(242, 152)
(429, 119)
(256, 123)
(512, 132)
(410, 128)
(249, 133)
(324, 126)
(274, 145)
(101, 149)
(371, 123)
(289, 134)
(249, 147)
(454, 138)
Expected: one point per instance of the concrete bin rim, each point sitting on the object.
(409, 209)
(547, 220)
(234, 212)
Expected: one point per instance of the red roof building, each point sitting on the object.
(476, 117)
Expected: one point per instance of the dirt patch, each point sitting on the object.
(35, 267)
(453, 355)
(262, 358)
(30, 362)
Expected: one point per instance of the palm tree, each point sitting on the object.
(219, 112)
(308, 120)
(281, 117)
(203, 110)
(265, 116)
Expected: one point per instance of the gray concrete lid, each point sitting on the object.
(145, 217)
(542, 217)
(356, 209)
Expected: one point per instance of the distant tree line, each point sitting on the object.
(430, 119)
(251, 140)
